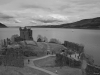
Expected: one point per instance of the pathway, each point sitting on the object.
(31, 64)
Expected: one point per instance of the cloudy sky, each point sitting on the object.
(45, 12)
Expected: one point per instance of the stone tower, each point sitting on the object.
(26, 33)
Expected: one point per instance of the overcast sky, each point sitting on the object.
(36, 12)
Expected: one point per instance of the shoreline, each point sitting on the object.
(52, 28)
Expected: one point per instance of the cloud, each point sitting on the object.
(35, 7)
(51, 11)
(5, 17)
(3, 2)
(37, 15)
(48, 21)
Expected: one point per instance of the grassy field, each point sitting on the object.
(49, 64)
(20, 71)
(46, 62)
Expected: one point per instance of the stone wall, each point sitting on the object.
(13, 58)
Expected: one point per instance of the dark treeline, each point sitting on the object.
(62, 60)
(40, 38)
(74, 46)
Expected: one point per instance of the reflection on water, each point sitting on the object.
(90, 38)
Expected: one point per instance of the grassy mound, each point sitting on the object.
(41, 48)
(56, 48)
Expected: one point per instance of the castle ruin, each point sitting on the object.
(26, 33)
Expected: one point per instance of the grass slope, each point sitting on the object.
(49, 64)
(20, 71)
(56, 47)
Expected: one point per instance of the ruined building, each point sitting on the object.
(26, 33)
(13, 57)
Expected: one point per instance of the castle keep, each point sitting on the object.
(26, 33)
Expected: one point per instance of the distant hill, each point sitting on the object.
(93, 23)
(2, 25)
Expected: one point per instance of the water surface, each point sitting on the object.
(89, 38)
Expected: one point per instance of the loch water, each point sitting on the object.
(89, 38)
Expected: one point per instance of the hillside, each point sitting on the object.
(93, 23)
(2, 25)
